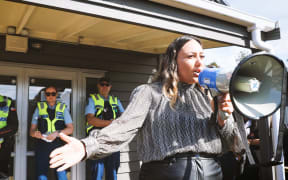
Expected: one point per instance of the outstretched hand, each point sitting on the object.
(67, 155)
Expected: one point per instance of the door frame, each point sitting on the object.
(79, 172)
(23, 72)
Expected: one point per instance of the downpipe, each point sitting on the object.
(257, 40)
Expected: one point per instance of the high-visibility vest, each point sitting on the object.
(4, 112)
(99, 107)
(49, 126)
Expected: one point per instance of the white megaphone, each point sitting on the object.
(255, 84)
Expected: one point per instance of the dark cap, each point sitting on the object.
(104, 79)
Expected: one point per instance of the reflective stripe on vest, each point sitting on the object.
(4, 111)
(59, 115)
(99, 107)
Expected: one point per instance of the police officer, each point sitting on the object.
(8, 127)
(49, 119)
(101, 110)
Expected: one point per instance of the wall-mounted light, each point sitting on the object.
(11, 30)
(13, 81)
(24, 32)
(32, 81)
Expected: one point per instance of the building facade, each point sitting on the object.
(72, 43)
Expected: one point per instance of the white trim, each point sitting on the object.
(20, 165)
(75, 110)
(80, 169)
(219, 11)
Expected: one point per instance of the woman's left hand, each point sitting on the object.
(224, 105)
(67, 155)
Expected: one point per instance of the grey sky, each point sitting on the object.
(275, 10)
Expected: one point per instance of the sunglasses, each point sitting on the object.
(104, 84)
(50, 93)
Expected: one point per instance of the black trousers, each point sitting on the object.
(184, 168)
(5, 155)
(42, 152)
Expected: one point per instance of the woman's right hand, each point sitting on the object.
(67, 155)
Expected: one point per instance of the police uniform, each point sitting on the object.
(49, 119)
(8, 127)
(105, 109)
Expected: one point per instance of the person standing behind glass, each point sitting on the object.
(8, 127)
(100, 111)
(49, 119)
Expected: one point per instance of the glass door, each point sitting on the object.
(8, 88)
(36, 94)
(35, 80)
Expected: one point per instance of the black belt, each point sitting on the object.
(191, 154)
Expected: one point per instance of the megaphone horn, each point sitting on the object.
(254, 85)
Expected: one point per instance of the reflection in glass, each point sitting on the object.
(8, 86)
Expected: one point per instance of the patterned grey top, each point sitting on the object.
(163, 131)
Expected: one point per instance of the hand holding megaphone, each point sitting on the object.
(225, 107)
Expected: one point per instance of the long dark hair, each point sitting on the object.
(168, 69)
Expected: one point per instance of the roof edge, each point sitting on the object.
(222, 12)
